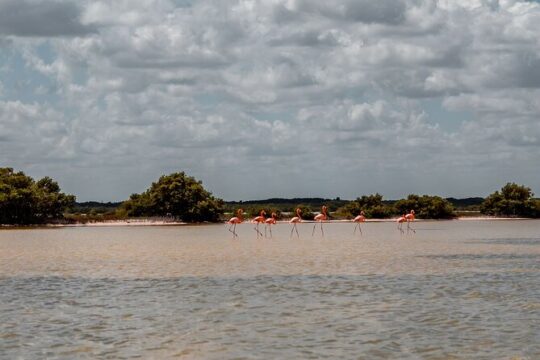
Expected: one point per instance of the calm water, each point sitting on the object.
(455, 289)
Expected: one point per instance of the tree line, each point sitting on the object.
(25, 201)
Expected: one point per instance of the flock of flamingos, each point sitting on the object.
(320, 218)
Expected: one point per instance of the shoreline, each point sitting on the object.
(148, 222)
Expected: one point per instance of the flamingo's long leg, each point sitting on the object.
(233, 231)
(360, 228)
(355, 226)
(313, 232)
(293, 229)
(256, 228)
(322, 230)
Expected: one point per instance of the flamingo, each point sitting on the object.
(259, 219)
(235, 220)
(410, 218)
(359, 219)
(320, 218)
(269, 222)
(400, 220)
(295, 220)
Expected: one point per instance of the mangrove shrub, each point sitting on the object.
(24, 201)
(176, 195)
(372, 205)
(511, 200)
(425, 207)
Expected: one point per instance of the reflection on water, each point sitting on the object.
(468, 290)
(525, 241)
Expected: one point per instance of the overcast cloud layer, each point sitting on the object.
(274, 98)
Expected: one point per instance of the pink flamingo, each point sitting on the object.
(320, 218)
(236, 220)
(295, 220)
(259, 219)
(269, 222)
(410, 218)
(359, 219)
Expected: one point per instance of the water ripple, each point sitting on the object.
(273, 316)
(466, 291)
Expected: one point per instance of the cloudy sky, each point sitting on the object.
(272, 98)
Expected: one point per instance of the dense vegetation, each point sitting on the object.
(92, 211)
(472, 203)
(176, 195)
(512, 200)
(372, 205)
(24, 201)
(426, 207)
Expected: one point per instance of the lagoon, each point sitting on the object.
(453, 289)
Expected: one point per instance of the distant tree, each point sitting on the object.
(24, 201)
(425, 207)
(372, 205)
(50, 202)
(175, 195)
(511, 200)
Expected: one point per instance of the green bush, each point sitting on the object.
(425, 207)
(24, 201)
(176, 195)
(512, 200)
(372, 205)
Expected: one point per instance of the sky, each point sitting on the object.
(272, 98)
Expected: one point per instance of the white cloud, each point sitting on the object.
(282, 92)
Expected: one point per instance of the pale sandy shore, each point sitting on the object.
(480, 218)
(136, 222)
(150, 222)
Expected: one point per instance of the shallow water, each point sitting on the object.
(453, 289)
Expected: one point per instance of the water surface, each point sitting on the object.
(453, 289)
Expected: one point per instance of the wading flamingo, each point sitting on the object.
(400, 220)
(410, 218)
(259, 219)
(359, 219)
(269, 222)
(320, 218)
(295, 220)
(235, 220)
